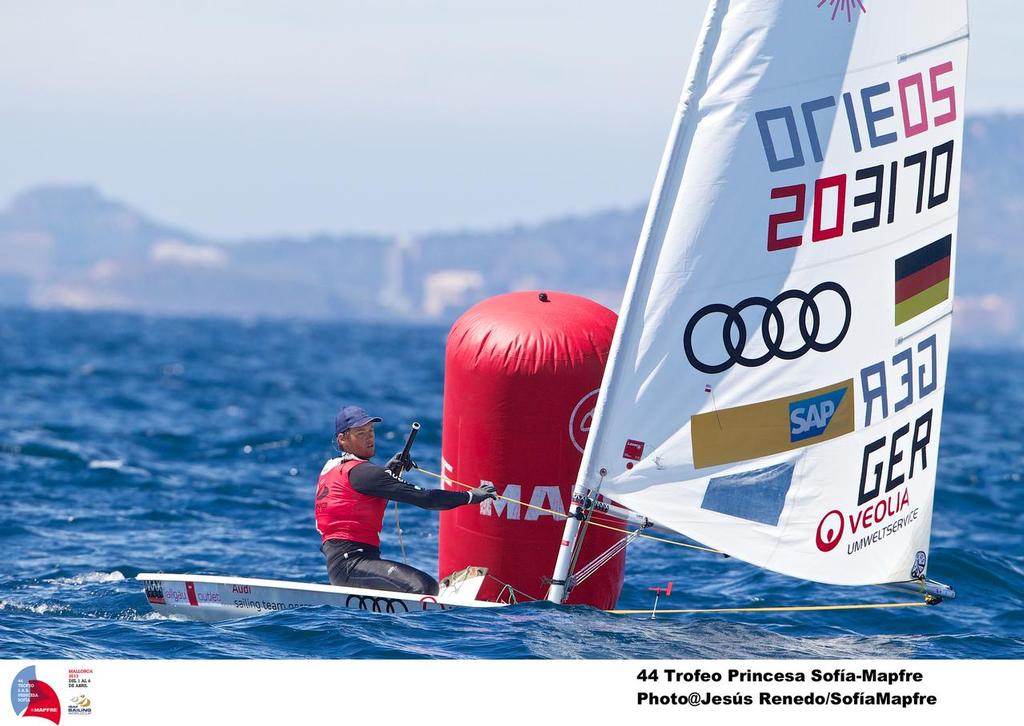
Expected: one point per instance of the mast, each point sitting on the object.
(659, 211)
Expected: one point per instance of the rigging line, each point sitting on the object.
(565, 516)
(401, 540)
(701, 548)
(594, 565)
(665, 540)
(795, 608)
(714, 404)
(608, 518)
(606, 556)
(507, 499)
(511, 588)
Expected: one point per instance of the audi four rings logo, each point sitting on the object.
(376, 604)
(734, 329)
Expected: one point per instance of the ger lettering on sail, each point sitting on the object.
(776, 379)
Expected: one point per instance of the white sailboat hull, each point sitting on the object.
(212, 598)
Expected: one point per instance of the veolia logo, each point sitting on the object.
(830, 531)
(842, 7)
(581, 418)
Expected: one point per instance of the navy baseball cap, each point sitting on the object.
(351, 416)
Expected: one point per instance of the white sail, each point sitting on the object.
(776, 381)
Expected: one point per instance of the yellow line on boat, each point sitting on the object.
(796, 608)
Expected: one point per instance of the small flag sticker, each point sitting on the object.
(922, 279)
(634, 450)
(707, 388)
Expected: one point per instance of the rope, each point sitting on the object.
(565, 516)
(401, 540)
(511, 589)
(800, 608)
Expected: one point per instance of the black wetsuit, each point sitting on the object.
(358, 564)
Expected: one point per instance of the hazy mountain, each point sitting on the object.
(71, 247)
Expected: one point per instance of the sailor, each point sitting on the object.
(351, 497)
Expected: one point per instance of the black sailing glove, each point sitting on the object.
(482, 492)
(396, 465)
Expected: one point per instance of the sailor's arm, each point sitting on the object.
(376, 481)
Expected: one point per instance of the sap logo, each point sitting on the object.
(809, 417)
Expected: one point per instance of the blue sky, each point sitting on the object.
(259, 117)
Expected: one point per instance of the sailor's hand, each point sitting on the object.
(482, 492)
(396, 465)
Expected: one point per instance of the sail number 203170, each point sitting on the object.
(876, 116)
(877, 195)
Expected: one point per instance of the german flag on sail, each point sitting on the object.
(922, 279)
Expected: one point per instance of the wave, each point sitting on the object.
(89, 578)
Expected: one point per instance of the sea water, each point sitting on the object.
(132, 444)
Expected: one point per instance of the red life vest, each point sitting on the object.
(344, 513)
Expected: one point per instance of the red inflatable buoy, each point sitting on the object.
(522, 372)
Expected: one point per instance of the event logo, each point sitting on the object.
(849, 7)
(32, 697)
(80, 705)
(772, 330)
(581, 418)
(771, 427)
(79, 679)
